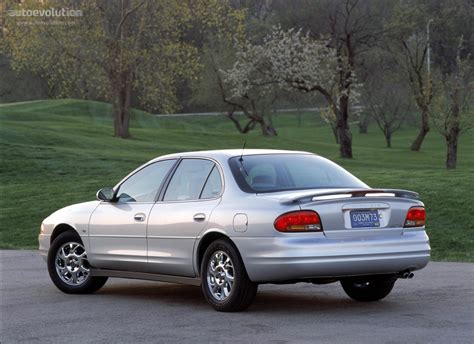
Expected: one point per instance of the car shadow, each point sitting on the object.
(266, 301)
(281, 302)
(162, 292)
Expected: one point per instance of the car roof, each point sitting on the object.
(228, 153)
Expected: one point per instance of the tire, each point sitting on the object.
(68, 266)
(225, 283)
(369, 288)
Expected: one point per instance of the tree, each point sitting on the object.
(452, 113)
(415, 56)
(427, 30)
(255, 104)
(408, 41)
(351, 27)
(249, 94)
(329, 117)
(218, 87)
(386, 97)
(290, 59)
(363, 122)
(297, 61)
(116, 49)
(388, 107)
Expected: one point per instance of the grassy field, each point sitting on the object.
(58, 152)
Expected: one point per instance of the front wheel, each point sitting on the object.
(69, 268)
(367, 289)
(225, 283)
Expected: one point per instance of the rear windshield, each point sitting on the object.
(280, 172)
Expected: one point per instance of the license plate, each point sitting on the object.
(364, 218)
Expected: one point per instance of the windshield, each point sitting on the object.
(280, 172)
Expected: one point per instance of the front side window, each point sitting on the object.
(188, 180)
(280, 172)
(144, 185)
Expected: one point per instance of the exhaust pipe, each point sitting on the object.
(406, 274)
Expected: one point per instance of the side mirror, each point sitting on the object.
(105, 194)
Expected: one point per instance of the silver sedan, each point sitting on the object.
(229, 220)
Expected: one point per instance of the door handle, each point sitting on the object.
(199, 217)
(139, 217)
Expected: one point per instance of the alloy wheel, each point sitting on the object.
(71, 264)
(220, 275)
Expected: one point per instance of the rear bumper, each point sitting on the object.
(300, 257)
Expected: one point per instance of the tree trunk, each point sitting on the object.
(343, 130)
(388, 137)
(452, 153)
(334, 131)
(452, 137)
(243, 130)
(267, 128)
(121, 105)
(363, 124)
(425, 128)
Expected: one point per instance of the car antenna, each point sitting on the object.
(243, 147)
(241, 159)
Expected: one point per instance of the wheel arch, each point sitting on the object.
(204, 243)
(62, 228)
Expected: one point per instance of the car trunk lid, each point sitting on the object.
(356, 213)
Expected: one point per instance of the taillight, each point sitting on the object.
(416, 217)
(298, 221)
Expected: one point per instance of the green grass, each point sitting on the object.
(59, 152)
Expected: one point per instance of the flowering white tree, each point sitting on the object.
(245, 88)
(255, 104)
(295, 60)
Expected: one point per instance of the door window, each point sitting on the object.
(188, 180)
(144, 185)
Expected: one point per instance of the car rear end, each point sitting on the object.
(337, 232)
(344, 237)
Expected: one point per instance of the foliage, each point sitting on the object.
(290, 59)
(113, 50)
(410, 23)
(222, 84)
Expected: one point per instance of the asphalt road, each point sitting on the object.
(436, 306)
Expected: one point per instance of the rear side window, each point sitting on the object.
(213, 185)
(189, 179)
(281, 172)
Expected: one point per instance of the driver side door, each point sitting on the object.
(118, 230)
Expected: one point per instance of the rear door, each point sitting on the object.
(182, 213)
(117, 230)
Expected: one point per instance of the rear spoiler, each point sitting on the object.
(340, 194)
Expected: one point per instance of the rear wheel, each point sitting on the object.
(68, 266)
(225, 283)
(367, 289)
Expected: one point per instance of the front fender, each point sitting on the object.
(75, 217)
